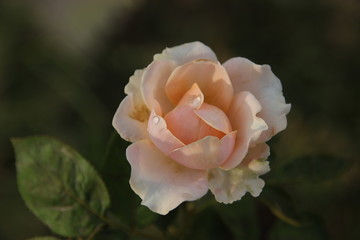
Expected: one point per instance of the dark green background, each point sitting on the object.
(64, 64)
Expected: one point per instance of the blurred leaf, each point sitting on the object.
(313, 168)
(208, 225)
(145, 216)
(44, 238)
(116, 171)
(59, 186)
(281, 205)
(283, 231)
(110, 234)
(128, 210)
(240, 218)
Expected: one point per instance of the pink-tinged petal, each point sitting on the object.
(266, 87)
(207, 153)
(161, 183)
(193, 97)
(187, 126)
(161, 136)
(259, 151)
(214, 117)
(153, 84)
(133, 87)
(232, 185)
(211, 77)
(242, 116)
(187, 52)
(130, 120)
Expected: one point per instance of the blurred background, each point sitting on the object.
(64, 64)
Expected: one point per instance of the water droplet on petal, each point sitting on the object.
(156, 120)
(197, 101)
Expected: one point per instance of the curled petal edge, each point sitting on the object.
(161, 136)
(244, 119)
(206, 153)
(232, 185)
(161, 183)
(187, 52)
(266, 87)
(130, 120)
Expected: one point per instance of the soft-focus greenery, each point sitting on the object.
(64, 64)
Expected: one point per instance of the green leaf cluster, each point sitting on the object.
(59, 186)
(67, 194)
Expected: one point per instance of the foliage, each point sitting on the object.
(69, 86)
(59, 186)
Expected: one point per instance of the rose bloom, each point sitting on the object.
(197, 124)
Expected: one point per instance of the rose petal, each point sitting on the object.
(161, 183)
(207, 153)
(133, 87)
(153, 84)
(187, 52)
(193, 97)
(259, 151)
(242, 116)
(266, 87)
(230, 186)
(130, 120)
(161, 136)
(187, 126)
(211, 78)
(214, 117)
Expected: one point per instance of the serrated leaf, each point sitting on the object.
(59, 186)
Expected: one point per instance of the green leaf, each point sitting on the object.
(281, 205)
(59, 186)
(207, 225)
(283, 231)
(241, 218)
(145, 216)
(116, 171)
(44, 238)
(313, 168)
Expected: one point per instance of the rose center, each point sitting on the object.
(186, 124)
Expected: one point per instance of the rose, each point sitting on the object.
(197, 125)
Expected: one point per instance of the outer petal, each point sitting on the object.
(230, 186)
(211, 77)
(153, 84)
(161, 136)
(242, 116)
(207, 153)
(133, 87)
(187, 52)
(161, 183)
(266, 87)
(259, 151)
(130, 120)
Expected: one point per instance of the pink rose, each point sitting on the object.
(197, 124)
